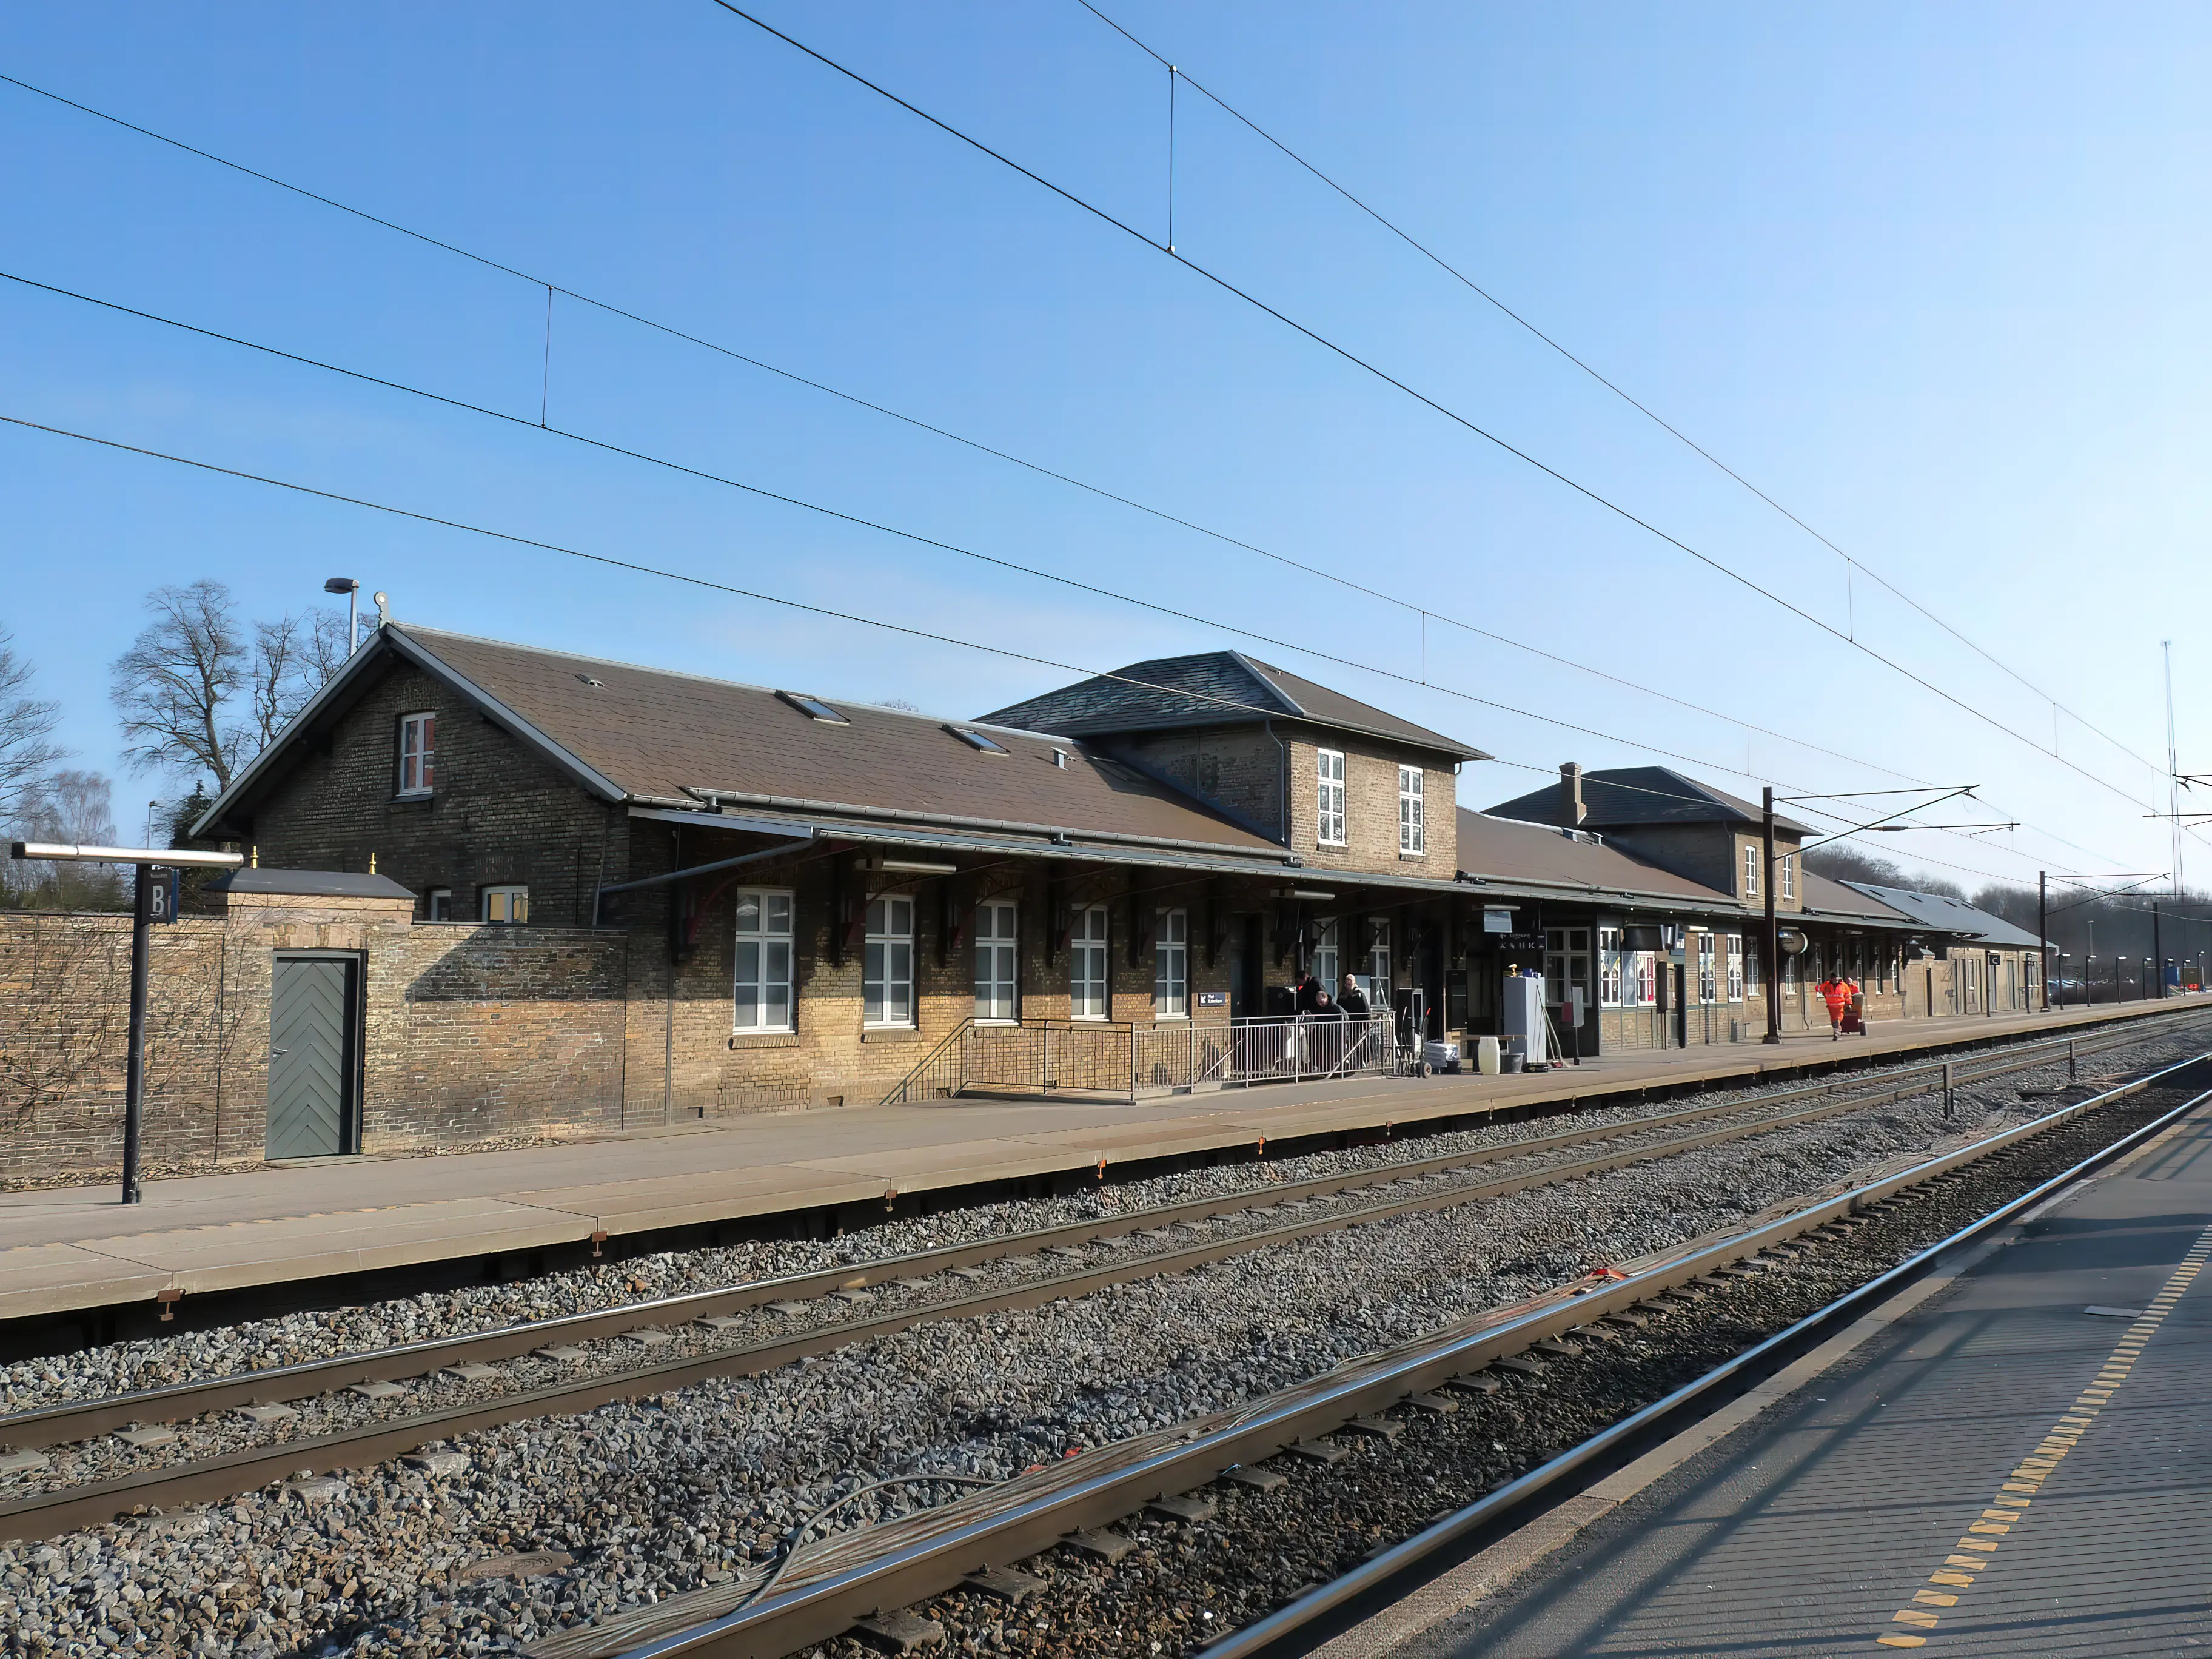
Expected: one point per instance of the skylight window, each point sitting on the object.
(976, 740)
(813, 708)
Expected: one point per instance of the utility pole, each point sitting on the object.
(2173, 785)
(2158, 942)
(1771, 955)
(2042, 931)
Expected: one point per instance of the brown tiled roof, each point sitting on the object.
(1507, 850)
(1627, 795)
(1212, 688)
(662, 736)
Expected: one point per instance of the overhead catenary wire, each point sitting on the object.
(1076, 584)
(1323, 573)
(1851, 562)
(639, 567)
(1452, 414)
(1319, 572)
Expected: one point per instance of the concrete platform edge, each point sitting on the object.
(1494, 1568)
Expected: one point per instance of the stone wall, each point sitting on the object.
(471, 1034)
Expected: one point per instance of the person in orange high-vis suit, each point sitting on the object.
(1836, 993)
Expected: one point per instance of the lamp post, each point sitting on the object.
(351, 589)
(154, 899)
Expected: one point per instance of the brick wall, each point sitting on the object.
(497, 816)
(1371, 810)
(1238, 769)
(684, 1059)
(470, 1034)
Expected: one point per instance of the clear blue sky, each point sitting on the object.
(1933, 277)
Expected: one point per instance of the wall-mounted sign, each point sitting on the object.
(164, 889)
(1496, 919)
(1213, 999)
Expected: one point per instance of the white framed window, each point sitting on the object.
(1752, 856)
(1790, 875)
(763, 961)
(1566, 962)
(418, 753)
(1172, 966)
(1087, 958)
(1736, 967)
(1323, 963)
(887, 962)
(1328, 809)
(506, 907)
(998, 957)
(1412, 838)
(1608, 967)
(1647, 978)
(1708, 985)
(1751, 973)
(438, 904)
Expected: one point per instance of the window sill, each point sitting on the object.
(1411, 857)
(890, 1033)
(415, 798)
(756, 1037)
(1170, 1019)
(998, 1022)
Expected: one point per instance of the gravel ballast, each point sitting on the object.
(649, 1497)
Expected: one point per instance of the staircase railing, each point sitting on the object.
(1100, 1059)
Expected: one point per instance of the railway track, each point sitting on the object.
(1170, 1241)
(829, 1586)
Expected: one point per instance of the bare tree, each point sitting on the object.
(172, 686)
(293, 656)
(27, 725)
(73, 807)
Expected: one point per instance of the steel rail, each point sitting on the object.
(1545, 1486)
(75, 1420)
(924, 1556)
(227, 1474)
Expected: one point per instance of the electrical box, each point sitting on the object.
(1521, 1016)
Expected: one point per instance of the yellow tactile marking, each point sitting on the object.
(1984, 1531)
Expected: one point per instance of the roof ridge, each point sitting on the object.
(415, 632)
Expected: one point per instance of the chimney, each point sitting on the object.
(1570, 785)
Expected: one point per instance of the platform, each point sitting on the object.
(2021, 1465)
(76, 1248)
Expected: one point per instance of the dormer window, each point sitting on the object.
(418, 753)
(976, 741)
(813, 708)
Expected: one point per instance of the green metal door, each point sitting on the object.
(312, 1048)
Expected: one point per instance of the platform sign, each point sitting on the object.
(165, 890)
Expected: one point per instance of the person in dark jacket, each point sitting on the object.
(1309, 991)
(1352, 999)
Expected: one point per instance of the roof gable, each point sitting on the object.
(1213, 688)
(651, 735)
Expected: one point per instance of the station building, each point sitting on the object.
(812, 896)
